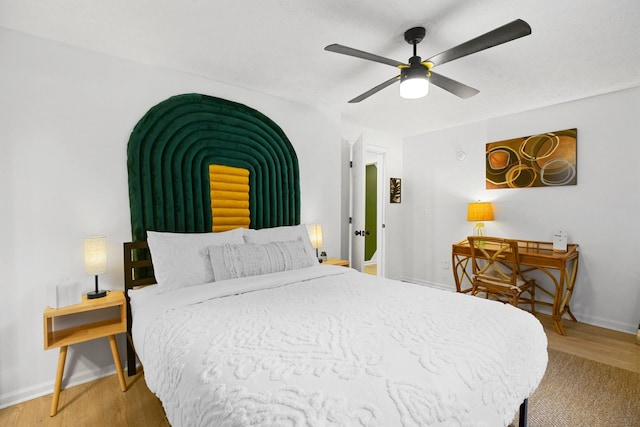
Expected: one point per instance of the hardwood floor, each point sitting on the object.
(101, 403)
(591, 342)
(96, 403)
(371, 269)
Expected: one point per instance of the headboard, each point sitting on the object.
(176, 156)
(173, 145)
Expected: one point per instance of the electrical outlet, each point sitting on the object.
(445, 264)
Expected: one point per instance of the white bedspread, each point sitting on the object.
(328, 346)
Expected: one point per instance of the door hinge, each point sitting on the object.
(350, 164)
(350, 220)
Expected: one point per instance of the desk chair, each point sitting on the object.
(496, 271)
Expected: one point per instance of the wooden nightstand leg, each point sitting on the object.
(116, 361)
(62, 357)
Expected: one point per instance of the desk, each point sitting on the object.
(532, 255)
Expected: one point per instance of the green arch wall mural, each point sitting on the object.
(172, 146)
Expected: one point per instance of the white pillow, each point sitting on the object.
(249, 259)
(180, 259)
(285, 233)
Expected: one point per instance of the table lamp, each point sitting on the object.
(95, 261)
(315, 235)
(479, 212)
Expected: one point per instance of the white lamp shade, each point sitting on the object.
(413, 88)
(315, 235)
(95, 255)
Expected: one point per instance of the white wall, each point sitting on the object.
(600, 213)
(65, 119)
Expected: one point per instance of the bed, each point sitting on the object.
(243, 327)
(321, 345)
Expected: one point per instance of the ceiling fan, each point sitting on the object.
(415, 76)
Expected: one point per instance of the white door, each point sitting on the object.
(357, 228)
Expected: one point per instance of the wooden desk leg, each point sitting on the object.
(62, 357)
(116, 361)
(459, 267)
(562, 297)
(557, 320)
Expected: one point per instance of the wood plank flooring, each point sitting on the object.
(101, 403)
(371, 269)
(96, 403)
(591, 342)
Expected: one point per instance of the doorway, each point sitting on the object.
(371, 219)
(367, 208)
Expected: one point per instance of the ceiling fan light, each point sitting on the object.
(414, 88)
(414, 83)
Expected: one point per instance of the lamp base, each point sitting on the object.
(478, 230)
(96, 294)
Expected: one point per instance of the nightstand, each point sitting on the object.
(84, 332)
(336, 261)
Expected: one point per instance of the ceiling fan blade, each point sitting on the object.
(375, 90)
(458, 89)
(506, 33)
(338, 48)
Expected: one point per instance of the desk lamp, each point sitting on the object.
(95, 261)
(479, 212)
(315, 235)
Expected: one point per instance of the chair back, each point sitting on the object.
(495, 260)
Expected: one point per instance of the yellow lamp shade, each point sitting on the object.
(480, 211)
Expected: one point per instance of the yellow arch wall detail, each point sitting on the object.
(229, 188)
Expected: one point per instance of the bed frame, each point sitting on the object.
(138, 271)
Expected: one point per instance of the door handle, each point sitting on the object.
(362, 233)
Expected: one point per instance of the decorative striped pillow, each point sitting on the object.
(231, 261)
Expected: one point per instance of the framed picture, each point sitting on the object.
(542, 160)
(395, 193)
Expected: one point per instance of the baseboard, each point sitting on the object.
(441, 286)
(607, 323)
(43, 389)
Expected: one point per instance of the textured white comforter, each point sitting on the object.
(328, 346)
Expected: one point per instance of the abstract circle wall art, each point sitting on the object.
(542, 160)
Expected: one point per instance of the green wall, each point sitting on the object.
(371, 212)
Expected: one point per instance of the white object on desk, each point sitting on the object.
(64, 294)
(560, 241)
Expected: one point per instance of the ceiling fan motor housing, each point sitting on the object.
(416, 70)
(414, 73)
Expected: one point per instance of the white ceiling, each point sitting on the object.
(578, 48)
